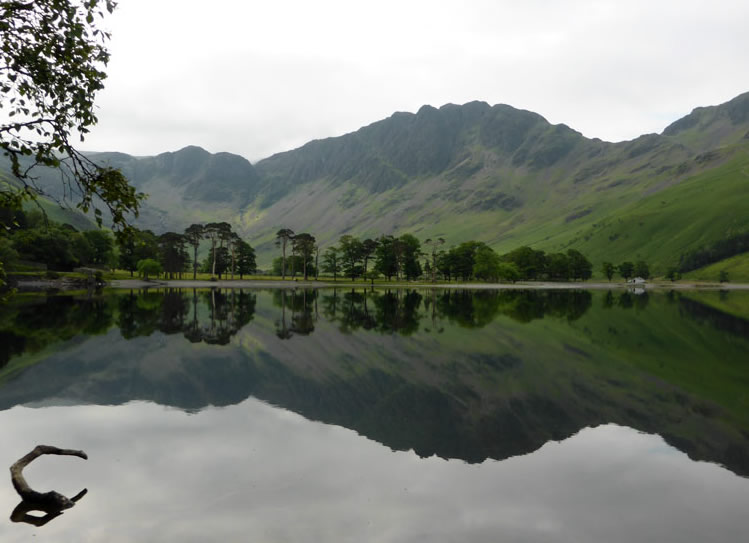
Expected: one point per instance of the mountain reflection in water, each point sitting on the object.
(454, 373)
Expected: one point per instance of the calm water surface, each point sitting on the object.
(402, 415)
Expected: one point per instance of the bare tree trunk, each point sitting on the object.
(232, 261)
(195, 262)
(213, 249)
(283, 261)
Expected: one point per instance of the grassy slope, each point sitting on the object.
(55, 212)
(63, 215)
(737, 268)
(660, 227)
(628, 223)
(651, 198)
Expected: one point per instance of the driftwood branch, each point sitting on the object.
(48, 501)
(22, 510)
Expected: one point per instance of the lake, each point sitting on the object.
(380, 415)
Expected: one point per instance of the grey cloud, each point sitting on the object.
(259, 79)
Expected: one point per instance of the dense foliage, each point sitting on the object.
(401, 258)
(51, 67)
(34, 243)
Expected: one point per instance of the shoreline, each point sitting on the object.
(536, 285)
(38, 285)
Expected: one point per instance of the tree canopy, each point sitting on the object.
(52, 58)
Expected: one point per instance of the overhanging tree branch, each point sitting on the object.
(51, 67)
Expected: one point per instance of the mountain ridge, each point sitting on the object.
(494, 173)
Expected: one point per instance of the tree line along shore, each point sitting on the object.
(35, 244)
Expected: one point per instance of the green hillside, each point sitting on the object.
(491, 173)
(508, 177)
(660, 227)
(61, 214)
(737, 268)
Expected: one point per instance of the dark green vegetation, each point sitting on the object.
(33, 242)
(719, 250)
(494, 174)
(400, 258)
(174, 254)
(455, 373)
(51, 66)
(733, 269)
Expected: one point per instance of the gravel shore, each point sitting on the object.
(666, 285)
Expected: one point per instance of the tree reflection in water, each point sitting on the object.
(400, 310)
(390, 311)
(499, 392)
(30, 325)
(214, 316)
(302, 303)
(180, 311)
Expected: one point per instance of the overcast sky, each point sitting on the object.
(256, 78)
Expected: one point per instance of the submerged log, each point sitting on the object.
(46, 501)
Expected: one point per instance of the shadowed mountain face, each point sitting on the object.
(492, 173)
(194, 172)
(390, 153)
(459, 374)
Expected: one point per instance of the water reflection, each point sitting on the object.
(253, 472)
(31, 324)
(300, 305)
(176, 311)
(214, 316)
(401, 310)
(718, 319)
(458, 374)
(23, 511)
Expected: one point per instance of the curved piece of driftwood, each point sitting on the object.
(22, 510)
(47, 501)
